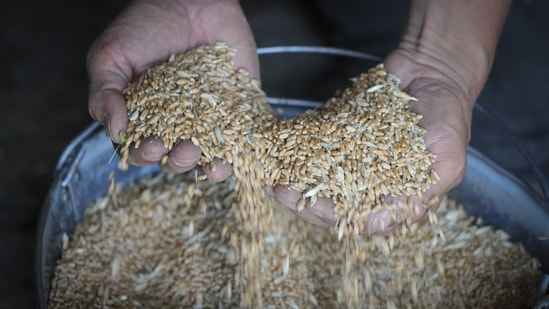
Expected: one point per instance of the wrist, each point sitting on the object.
(455, 38)
(468, 71)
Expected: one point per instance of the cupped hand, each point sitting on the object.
(146, 33)
(446, 107)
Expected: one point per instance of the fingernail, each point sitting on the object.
(318, 214)
(107, 127)
(183, 162)
(152, 155)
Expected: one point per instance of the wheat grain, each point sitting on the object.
(230, 245)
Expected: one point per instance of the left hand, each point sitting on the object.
(443, 59)
(446, 108)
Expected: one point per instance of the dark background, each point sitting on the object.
(43, 92)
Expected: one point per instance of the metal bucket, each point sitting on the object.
(81, 176)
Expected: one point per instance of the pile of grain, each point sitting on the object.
(198, 96)
(171, 242)
(361, 147)
(364, 146)
(201, 96)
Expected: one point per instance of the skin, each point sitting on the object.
(147, 33)
(443, 59)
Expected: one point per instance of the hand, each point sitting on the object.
(147, 33)
(446, 108)
(443, 59)
(446, 104)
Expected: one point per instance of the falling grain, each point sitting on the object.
(176, 241)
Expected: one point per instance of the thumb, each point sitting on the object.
(106, 102)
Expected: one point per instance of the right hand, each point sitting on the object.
(146, 33)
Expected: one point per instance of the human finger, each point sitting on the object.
(183, 157)
(321, 212)
(151, 150)
(108, 78)
(218, 170)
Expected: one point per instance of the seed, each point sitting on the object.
(178, 241)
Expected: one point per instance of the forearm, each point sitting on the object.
(460, 35)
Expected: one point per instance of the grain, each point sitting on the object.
(200, 96)
(155, 248)
(197, 96)
(365, 145)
